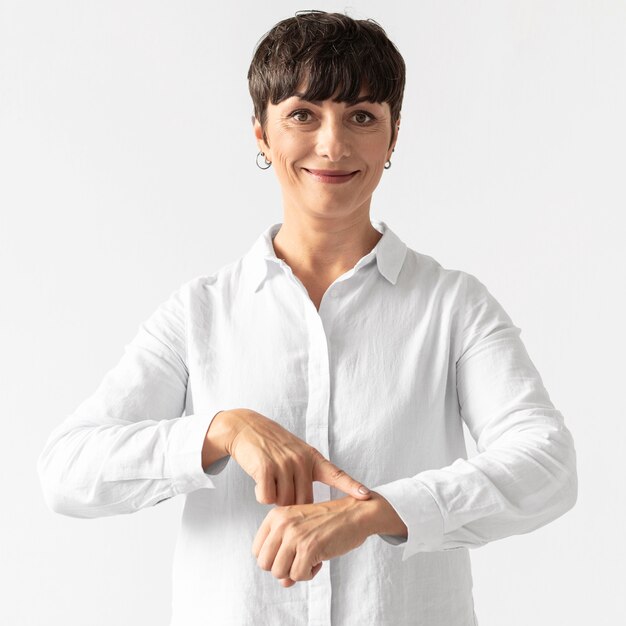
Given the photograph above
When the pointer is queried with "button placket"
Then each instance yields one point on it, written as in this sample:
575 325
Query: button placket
319 324
317 436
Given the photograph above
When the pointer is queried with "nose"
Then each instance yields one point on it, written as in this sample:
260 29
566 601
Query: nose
333 140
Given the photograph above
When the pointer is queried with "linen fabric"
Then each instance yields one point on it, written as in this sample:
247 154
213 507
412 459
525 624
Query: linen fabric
380 380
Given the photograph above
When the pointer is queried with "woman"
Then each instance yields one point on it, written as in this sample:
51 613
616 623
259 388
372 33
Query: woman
329 358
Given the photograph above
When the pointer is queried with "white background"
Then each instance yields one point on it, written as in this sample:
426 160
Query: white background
127 167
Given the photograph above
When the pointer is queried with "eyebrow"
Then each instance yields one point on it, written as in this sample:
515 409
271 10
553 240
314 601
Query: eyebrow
365 98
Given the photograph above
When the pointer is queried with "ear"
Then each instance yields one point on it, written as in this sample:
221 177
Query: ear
395 139
259 136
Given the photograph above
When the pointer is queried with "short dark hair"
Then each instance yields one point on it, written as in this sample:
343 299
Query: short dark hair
333 54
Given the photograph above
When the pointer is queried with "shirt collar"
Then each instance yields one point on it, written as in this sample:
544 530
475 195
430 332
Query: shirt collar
390 252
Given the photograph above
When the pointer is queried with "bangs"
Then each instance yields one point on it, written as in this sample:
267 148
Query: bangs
336 78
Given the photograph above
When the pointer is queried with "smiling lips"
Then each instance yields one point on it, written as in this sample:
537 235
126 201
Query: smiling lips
331 176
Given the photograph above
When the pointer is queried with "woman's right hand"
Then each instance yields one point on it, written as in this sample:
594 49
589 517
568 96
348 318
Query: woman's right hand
281 464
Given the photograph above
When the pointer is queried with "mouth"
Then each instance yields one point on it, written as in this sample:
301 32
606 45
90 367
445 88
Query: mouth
331 176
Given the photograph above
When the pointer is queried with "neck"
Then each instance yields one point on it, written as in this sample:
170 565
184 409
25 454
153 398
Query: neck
324 247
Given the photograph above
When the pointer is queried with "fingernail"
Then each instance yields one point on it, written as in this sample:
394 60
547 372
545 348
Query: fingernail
364 490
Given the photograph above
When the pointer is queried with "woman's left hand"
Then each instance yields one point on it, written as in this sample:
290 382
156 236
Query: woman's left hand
292 541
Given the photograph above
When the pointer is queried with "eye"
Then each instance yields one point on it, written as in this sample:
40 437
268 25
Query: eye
301 115
362 118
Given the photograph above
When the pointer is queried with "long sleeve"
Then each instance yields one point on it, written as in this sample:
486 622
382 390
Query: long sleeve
128 446
524 474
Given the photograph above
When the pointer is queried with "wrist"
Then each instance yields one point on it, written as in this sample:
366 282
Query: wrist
228 423
380 518
219 436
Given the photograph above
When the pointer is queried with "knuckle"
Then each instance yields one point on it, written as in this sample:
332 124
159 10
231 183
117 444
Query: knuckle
283 525
337 473
262 496
290 534
263 564
284 501
265 469
273 514
316 454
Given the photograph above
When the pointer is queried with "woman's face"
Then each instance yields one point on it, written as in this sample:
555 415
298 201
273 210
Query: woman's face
328 156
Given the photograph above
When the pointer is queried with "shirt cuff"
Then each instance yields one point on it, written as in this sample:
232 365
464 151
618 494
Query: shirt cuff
185 454
419 511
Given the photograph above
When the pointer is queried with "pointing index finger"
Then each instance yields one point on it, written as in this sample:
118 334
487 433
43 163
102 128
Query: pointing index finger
328 473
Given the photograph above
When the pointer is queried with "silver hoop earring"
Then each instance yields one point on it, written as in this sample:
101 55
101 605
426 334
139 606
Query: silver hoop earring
387 165
268 164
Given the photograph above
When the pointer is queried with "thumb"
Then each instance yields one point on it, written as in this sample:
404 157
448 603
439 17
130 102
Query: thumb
328 473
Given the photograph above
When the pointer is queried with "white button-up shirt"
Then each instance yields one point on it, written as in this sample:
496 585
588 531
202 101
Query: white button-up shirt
379 380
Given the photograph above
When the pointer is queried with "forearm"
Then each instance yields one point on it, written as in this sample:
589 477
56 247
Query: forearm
88 469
